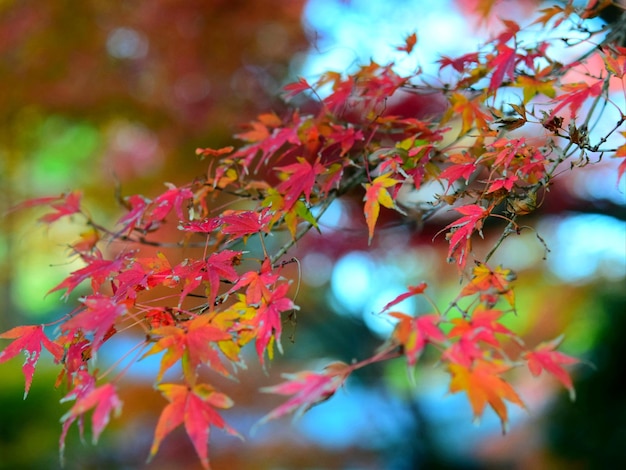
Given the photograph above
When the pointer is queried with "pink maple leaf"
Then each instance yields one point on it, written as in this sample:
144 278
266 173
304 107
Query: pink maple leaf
29 339
308 389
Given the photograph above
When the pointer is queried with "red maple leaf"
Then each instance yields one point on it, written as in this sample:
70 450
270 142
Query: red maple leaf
29 339
191 274
575 96
503 66
464 166
299 179
466 350
220 265
97 318
544 357
267 320
202 226
257 282
459 63
173 198
195 408
308 389
242 223
295 88
97 269
101 399
64 205
463 229
142 274
136 205
413 290
483 325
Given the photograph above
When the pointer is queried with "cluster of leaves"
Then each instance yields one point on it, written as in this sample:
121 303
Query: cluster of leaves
199 312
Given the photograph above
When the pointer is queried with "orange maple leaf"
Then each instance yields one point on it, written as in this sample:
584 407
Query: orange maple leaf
194 344
195 408
489 281
414 332
470 111
483 385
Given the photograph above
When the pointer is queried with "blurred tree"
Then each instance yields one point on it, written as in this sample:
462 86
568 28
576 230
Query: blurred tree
357 145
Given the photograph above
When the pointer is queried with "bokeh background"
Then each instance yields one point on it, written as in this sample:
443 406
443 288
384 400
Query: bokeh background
114 97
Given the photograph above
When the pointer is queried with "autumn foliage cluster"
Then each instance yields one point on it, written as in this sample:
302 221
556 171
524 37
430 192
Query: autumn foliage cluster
515 118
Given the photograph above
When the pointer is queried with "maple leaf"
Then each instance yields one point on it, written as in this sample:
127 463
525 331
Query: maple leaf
376 194
191 343
615 60
195 408
466 350
86 244
202 226
173 198
463 229
29 339
534 85
267 320
482 326
308 389
483 385
459 63
544 357
193 273
242 223
414 332
413 290
298 178
97 269
503 66
470 111
561 13
346 137
209 152
65 205
257 133
136 206
464 166
103 400
257 283
575 96
97 318
505 183
486 280
221 265
295 88
142 274
409 43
